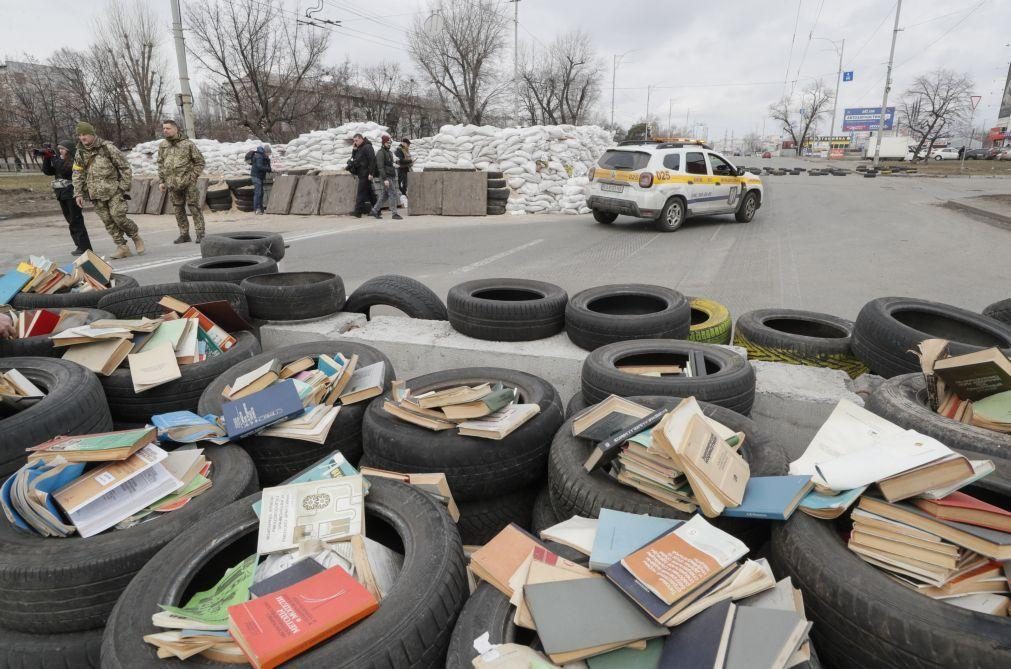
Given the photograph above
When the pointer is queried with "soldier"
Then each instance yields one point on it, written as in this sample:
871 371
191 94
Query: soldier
179 164
102 175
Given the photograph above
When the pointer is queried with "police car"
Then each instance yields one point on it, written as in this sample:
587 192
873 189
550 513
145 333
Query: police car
668 181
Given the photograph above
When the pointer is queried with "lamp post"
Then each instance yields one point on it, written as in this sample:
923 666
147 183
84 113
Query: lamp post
839 47
615 61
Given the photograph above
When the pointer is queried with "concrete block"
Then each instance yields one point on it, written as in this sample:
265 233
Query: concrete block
155 203
277 334
424 193
465 194
138 196
305 201
339 192
281 194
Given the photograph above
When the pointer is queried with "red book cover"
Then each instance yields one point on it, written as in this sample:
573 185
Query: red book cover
273 629
964 508
43 323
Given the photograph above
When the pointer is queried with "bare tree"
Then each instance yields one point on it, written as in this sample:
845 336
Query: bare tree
934 105
752 142
799 117
382 84
456 45
269 65
562 85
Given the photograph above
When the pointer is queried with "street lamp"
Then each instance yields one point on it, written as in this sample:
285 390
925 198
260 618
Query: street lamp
614 69
839 47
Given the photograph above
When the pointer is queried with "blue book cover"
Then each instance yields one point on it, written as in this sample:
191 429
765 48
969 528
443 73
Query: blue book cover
620 533
696 642
11 284
771 497
165 422
252 413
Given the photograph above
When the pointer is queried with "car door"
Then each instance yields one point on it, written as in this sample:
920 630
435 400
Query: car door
699 187
726 185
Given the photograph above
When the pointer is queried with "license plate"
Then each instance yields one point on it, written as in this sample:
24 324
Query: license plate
612 188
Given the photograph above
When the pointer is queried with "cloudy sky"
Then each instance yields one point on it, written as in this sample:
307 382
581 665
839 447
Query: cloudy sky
718 63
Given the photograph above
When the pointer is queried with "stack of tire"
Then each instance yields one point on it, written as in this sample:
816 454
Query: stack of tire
227 269
797 337
241 189
219 197
498 193
494 483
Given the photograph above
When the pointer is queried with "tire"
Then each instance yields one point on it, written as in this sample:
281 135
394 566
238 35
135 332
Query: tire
401 292
495 175
507 309
475 468
226 206
672 217
495 211
74 404
276 458
799 338
730 382
1000 311
749 205
72 650
237 183
498 194
710 322
862 618
885 343
293 296
487 610
574 492
496 183
89 299
228 269
70 585
412 627
245 192
143 300
604 217
481 519
621 312
183 394
42 345
249 243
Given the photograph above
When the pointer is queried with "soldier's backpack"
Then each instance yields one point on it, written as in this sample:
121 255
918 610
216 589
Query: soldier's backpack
249 157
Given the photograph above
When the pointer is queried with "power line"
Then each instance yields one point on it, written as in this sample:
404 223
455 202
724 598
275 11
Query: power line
803 56
789 58
365 17
853 58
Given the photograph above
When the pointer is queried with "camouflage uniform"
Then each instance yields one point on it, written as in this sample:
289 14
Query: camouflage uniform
102 175
179 164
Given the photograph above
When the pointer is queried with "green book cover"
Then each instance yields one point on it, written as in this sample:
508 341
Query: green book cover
101 442
996 408
629 658
168 332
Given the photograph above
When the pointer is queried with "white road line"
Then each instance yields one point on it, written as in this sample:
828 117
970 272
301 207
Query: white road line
494 258
154 263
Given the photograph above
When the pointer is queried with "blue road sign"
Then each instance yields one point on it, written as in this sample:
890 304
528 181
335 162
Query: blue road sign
847 76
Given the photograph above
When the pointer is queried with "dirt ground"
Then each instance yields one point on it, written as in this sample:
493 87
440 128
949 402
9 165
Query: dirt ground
22 194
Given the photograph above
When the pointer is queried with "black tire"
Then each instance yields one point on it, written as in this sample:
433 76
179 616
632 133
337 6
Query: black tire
730 381
278 459
74 404
70 585
225 206
495 211
475 468
411 628
496 183
90 298
749 205
604 217
507 309
487 610
401 292
889 329
72 650
247 243
228 269
672 216
711 322
293 296
482 519
574 492
1000 311
498 194
245 191
495 175
42 345
621 312
862 618
798 338
143 300
237 183
183 394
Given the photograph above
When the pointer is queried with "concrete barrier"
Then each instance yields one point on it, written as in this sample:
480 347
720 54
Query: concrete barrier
339 192
281 194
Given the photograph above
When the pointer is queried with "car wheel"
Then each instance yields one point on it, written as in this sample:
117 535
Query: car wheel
672 216
937 157
748 207
605 217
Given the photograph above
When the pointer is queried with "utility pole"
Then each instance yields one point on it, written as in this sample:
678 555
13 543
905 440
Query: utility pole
669 128
888 85
835 100
973 100
615 61
649 89
516 60
185 94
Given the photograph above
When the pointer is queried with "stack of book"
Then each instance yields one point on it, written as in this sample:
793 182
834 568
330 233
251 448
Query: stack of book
38 274
42 322
694 365
486 410
974 388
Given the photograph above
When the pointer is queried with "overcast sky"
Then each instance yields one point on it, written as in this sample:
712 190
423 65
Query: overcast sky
722 63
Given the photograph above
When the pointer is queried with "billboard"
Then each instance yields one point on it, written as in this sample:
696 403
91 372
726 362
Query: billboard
1005 102
860 119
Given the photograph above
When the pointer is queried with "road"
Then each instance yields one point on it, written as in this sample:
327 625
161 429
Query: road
820 243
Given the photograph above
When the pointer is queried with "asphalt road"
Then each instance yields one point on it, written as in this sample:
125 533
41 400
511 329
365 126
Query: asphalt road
820 243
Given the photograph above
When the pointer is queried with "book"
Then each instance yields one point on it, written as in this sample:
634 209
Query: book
975 375
27 501
942 472
275 628
750 578
86 334
169 332
404 412
223 314
611 415
629 658
153 368
253 381
434 484
771 497
963 508
764 638
541 566
980 468
892 454
188 348
991 604
213 332
489 404
620 533
186 427
313 427
253 413
22 384
296 366
296 573
455 395
328 510
11 284
94 266
43 322
365 383
501 423
993 412
498 560
99 447
577 533
611 446
101 357
829 506
338 385
701 641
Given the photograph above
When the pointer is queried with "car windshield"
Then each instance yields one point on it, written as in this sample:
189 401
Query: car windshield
624 160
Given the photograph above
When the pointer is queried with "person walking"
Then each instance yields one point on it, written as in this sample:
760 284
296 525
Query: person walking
102 175
259 170
362 165
60 165
385 180
179 166
404 163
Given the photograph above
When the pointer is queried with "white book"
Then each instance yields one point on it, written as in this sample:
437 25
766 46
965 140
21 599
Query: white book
984 602
249 377
124 500
576 532
329 510
315 431
188 347
153 368
22 384
980 468
92 333
891 454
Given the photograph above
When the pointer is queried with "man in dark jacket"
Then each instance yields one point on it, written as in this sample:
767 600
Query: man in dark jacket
404 162
385 180
362 165
61 167
259 170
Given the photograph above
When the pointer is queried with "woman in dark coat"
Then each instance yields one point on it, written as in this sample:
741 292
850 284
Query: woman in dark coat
59 165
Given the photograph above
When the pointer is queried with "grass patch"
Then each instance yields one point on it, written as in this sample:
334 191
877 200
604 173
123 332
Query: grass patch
38 183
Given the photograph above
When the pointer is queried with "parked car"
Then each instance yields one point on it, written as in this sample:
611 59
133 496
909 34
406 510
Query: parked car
947 153
767 155
1004 153
977 154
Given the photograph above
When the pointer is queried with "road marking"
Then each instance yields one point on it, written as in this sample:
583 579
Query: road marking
496 257
154 263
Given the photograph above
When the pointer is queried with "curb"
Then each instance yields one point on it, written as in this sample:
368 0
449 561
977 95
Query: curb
1003 220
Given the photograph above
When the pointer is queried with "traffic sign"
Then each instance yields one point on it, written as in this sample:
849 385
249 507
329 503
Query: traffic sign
975 100
847 76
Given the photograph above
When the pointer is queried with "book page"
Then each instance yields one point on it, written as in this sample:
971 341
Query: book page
892 454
